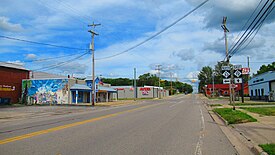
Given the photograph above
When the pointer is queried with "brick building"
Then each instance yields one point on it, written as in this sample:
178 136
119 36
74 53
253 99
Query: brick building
11 76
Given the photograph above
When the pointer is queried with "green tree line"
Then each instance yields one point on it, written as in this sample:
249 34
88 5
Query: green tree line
151 80
206 74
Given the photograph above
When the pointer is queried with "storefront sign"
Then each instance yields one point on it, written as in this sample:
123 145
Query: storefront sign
7 88
145 89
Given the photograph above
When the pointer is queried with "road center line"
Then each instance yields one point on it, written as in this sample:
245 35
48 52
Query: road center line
37 133
173 105
200 141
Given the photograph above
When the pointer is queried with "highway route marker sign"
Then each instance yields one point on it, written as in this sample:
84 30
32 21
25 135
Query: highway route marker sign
226 81
226 74
238 80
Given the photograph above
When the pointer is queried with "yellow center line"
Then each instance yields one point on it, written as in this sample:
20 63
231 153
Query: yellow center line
37 133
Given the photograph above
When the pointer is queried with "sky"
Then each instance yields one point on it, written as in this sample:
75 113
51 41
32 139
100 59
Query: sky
182 50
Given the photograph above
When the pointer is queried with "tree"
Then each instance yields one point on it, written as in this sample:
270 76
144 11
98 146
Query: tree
147 79
218 72
264 68
118 81
205 77
177 85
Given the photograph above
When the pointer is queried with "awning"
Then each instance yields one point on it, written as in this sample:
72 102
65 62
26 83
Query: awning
80 87
106 89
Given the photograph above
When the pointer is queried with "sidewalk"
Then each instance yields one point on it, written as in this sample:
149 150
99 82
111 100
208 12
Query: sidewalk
11 113
255 133
260 132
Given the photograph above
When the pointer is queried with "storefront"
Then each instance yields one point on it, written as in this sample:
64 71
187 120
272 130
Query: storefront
262 87
11 76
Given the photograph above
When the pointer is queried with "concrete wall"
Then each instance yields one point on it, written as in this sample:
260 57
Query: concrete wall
127 92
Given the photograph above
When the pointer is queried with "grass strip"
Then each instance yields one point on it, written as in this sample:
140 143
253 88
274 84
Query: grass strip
234 116
253 103
215 105
268 111
268 148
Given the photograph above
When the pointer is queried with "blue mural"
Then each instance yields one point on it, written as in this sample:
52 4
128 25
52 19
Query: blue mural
47 91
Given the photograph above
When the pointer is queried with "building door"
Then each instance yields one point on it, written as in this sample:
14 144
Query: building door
272 86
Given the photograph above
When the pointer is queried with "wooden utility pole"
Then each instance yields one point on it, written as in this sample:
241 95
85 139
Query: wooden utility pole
228 60
135 84
92 48
158 69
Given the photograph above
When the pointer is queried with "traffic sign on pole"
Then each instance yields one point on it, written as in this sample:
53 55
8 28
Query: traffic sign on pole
226 81
238 80
226 74
237 67
245 71
226 68
238 73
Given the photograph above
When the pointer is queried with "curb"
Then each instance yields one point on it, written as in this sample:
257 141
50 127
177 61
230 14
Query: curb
221 118
255 149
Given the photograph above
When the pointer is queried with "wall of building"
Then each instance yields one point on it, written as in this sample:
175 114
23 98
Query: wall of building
127 92
46 91
11 83
261 86
145 92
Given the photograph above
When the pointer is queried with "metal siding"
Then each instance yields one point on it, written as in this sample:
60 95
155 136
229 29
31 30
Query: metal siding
12 77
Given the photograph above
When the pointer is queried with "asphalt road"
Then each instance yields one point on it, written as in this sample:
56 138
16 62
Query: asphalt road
177 125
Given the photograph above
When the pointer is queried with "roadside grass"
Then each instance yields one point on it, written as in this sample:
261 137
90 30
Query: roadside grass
215 105
12 105
122 99
234 116
218 98
253 103
268 111
268 148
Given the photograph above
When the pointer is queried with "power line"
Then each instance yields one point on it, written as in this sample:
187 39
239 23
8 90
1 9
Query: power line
248 28
255 27
58 10
246 23
252 30
258 27
251 62
60 63
39 43
156 34
51 58
68 6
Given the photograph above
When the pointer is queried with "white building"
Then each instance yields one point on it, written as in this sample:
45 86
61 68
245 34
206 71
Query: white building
262 87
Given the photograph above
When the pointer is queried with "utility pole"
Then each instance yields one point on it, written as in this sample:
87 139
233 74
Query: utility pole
135 84
248 65
171 82
213 84
228 59
92 48
158 69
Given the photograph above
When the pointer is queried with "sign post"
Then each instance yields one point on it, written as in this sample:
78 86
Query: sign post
238 77
227 75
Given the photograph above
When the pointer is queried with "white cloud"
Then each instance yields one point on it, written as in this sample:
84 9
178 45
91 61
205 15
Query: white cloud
194 42
30 56
6 25
185 54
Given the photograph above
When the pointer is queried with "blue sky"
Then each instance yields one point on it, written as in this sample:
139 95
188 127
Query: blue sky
182 50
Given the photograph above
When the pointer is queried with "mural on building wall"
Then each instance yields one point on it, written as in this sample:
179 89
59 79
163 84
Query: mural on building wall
46 91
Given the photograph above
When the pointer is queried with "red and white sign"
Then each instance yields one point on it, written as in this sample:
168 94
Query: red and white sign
245 71
144 89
